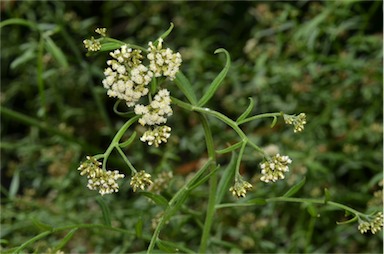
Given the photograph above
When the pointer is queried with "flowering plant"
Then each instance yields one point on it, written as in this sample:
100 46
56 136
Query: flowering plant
136 76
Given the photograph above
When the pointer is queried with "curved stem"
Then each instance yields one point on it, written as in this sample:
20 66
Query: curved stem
260 116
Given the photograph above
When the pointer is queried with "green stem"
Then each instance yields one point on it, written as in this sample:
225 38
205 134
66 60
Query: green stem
241 152
116 139
212 186
260 116
133 170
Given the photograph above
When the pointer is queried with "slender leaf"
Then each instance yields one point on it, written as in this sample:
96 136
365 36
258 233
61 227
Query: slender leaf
292 191
15 184
274 122
218 80
129 141
166 33
247 111
185 86
105 210
65 240
56 52
312 210
41 225
109 46
139 227
226 178
158 199
347 221
327 195
230 148
172 247
17 21
23 58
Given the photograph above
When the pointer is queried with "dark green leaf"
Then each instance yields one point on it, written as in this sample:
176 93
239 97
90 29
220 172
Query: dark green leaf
247 111
295 188
274 122
105 210
226 178
41 226
327 196
185 86
218 80
158 199
139 227
129 141
312 210
230 148
56 52
16 21
15 184
65 240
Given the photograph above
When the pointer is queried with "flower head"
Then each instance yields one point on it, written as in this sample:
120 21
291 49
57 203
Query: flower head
373 223
161 182
274 169
140 180
126 78
99 179
101 31
157 111
158 135
92 44
298 122
163 61
240 188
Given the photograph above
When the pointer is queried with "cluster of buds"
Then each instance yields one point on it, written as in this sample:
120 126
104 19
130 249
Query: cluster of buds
99 179
157 111
240 188
158 135
274 169
163 61
298 121
92 44
140 180
373 224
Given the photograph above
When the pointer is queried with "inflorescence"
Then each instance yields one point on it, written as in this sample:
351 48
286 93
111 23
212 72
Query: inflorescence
99 179
140 180
298 121
374 224
274 168
240 188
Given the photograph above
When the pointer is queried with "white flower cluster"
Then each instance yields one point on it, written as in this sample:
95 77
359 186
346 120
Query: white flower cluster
98 179
127 78
158 135
298 121
163 61
92 44
374 224
157 111
240 188
274 169
140 180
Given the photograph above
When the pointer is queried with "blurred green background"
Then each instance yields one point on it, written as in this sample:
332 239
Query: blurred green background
321 58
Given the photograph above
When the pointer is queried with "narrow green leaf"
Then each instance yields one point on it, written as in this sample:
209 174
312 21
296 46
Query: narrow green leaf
203 179
166 33
312 210
295 188
226 178
158 199
65 240
56 52
218 80
247 111
105 210
274 122
230 148
129 141
125 114
172 247
153 85
327 195
17 21
139 227
109 46
23 58
347 221
185 86
199 173
15 184
41 225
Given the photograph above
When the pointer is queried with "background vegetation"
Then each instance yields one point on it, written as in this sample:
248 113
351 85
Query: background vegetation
321 58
